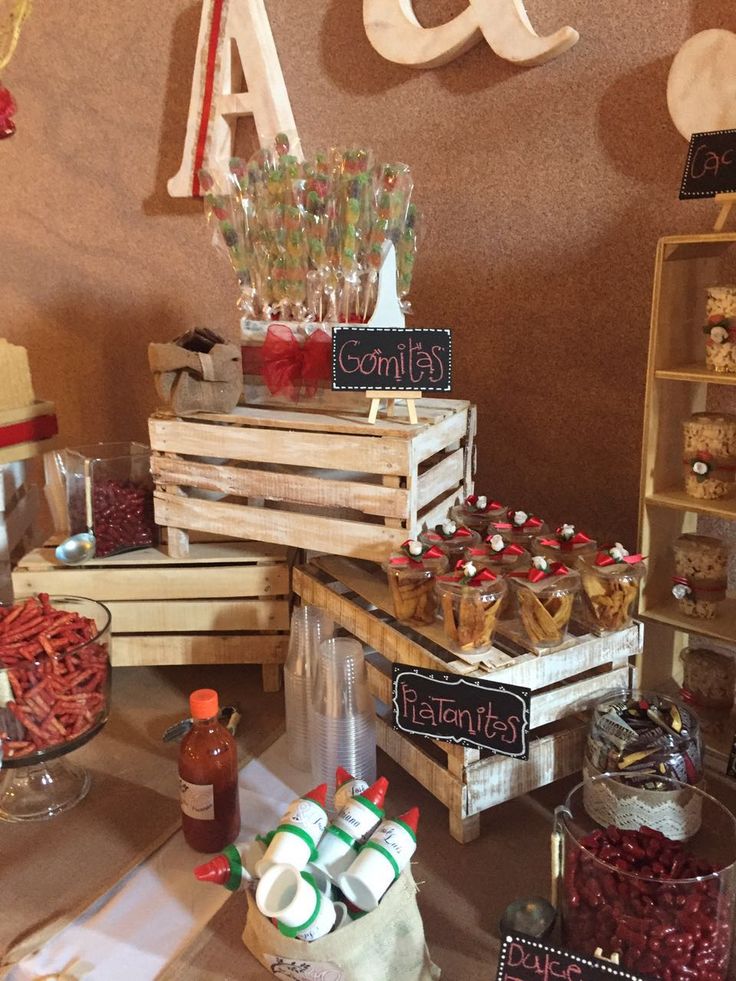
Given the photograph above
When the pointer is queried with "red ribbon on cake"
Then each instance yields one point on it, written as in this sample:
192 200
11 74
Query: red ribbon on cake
288 366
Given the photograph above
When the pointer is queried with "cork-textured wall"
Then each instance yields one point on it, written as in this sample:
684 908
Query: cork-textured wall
544 191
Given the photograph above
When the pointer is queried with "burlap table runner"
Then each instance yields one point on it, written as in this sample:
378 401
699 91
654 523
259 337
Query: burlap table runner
52 870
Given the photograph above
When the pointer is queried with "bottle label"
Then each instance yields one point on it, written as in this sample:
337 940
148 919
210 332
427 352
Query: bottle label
351 788
285 967
197 800
396 841
356 820
308 816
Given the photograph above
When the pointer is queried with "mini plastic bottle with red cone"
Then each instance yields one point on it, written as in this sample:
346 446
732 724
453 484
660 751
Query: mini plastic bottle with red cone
381 860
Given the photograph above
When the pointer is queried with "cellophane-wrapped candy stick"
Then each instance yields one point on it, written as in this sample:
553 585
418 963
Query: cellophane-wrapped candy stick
405 255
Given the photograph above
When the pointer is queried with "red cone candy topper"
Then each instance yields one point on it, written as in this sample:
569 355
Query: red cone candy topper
376 793
217 870
318 795
410 819
342 776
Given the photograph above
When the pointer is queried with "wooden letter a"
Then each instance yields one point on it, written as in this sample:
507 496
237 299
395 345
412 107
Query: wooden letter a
233 35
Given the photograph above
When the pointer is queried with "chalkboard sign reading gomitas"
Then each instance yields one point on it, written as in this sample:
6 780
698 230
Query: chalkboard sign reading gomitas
467 711
391 359
710 167
524 959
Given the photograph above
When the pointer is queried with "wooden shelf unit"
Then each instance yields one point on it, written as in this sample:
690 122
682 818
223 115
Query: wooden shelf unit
564 683
685 266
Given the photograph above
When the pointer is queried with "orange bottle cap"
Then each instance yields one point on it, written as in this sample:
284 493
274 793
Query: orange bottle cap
203 703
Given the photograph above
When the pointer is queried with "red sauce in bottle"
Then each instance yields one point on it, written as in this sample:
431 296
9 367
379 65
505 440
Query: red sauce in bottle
208 772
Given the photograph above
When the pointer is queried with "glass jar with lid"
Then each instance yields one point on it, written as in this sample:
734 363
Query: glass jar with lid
709 455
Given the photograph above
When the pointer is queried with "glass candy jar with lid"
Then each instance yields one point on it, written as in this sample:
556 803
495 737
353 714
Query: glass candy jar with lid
700 579
566 545
709 455
610 588
709 678
411 572
470 604
476 512
545 595
451 538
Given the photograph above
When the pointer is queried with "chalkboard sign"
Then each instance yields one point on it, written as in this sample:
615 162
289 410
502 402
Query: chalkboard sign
524 959
391 359
710 168
467 711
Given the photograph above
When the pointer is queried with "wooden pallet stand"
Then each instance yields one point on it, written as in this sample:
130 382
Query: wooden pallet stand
226 603
468 781
325 482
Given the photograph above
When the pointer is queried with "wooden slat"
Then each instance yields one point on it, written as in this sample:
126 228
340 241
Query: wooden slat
12 478
676 498
322 534
292 487
550 706
429 411
369 454
178 616
495 779
18 522
440 511
695 372
152 583
429 772
439 478
435 438
137 650
209 553
24 412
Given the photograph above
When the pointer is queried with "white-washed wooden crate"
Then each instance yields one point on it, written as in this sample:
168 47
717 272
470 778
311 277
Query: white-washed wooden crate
19 504
325 482
226 603
564 683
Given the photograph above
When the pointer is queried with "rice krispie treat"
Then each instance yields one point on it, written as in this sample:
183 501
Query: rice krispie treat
720 348
709 454
699 582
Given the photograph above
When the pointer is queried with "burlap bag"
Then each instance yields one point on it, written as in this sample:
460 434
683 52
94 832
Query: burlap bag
386 945
188 381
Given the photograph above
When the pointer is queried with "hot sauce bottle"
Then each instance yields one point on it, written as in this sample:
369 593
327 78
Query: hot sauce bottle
208 778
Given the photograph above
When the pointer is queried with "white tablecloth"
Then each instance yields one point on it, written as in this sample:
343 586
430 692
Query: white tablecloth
140 924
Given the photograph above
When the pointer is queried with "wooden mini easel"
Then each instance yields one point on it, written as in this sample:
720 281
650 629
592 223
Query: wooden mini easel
726 201
376 397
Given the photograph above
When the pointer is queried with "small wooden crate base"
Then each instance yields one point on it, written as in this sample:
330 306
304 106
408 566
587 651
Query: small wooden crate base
323 482
469 781
227 603
19 504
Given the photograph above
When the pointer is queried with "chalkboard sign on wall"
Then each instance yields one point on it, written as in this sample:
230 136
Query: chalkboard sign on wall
467 711
710 167
525 959
391 359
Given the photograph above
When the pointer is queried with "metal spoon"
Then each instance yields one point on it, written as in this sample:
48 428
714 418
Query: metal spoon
82 547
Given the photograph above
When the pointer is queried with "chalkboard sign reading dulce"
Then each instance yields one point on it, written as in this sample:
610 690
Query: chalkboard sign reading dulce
391 359
467 711
524 959
710 168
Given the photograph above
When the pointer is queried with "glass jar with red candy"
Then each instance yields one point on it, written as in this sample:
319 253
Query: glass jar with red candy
111 484
662 897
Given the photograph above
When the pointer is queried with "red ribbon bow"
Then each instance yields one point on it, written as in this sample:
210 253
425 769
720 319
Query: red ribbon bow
530 524
460 532
603 558
566 544
289 366
535 575
472 500
485 575
512 549
415 560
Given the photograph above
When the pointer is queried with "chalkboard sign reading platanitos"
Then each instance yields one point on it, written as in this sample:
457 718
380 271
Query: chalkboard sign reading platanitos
710 167
467 711
391 359
525 959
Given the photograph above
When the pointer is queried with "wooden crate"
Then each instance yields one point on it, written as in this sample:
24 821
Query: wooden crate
329 483
19 504
469 781
226 603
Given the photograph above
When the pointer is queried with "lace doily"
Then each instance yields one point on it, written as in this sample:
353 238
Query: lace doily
677 814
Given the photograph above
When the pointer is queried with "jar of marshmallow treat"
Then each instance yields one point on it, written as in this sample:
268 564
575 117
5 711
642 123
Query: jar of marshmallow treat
720 329
451 538
476 512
